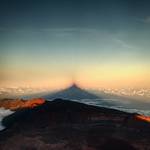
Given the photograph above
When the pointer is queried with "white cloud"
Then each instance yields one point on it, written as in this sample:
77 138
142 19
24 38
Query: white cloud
123 43
70 31
145 20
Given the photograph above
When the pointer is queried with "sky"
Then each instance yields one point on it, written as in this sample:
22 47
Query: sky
95 43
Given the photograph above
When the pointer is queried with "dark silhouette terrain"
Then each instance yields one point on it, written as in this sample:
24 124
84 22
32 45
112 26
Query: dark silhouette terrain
68 125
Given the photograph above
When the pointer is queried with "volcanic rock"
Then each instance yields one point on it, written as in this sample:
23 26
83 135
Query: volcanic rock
14 104
68 125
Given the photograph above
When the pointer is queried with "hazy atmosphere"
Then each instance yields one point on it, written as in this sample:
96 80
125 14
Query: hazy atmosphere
97 44
74 74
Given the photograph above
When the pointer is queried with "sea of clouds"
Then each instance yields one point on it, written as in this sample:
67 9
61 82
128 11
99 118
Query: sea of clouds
4 113
116 104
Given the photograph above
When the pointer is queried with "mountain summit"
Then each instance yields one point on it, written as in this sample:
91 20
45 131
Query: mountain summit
72 92
74 86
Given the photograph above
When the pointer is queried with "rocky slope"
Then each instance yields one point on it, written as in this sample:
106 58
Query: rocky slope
68 125
15 104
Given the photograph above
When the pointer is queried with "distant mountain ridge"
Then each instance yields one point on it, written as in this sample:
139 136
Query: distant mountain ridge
72 92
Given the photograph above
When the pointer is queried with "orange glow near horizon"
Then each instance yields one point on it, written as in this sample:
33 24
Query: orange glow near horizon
90 76
115 77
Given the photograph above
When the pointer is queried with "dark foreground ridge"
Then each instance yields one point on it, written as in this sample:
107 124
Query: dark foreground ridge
68 125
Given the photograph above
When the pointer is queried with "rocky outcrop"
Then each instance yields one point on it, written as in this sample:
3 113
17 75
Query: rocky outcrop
14 104
144 118
68 125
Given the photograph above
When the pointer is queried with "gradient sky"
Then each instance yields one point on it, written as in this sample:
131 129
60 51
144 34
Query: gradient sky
97 43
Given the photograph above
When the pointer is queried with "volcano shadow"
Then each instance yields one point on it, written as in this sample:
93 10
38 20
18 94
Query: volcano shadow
73 92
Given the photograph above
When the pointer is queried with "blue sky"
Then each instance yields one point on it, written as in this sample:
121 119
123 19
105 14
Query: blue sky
46 41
